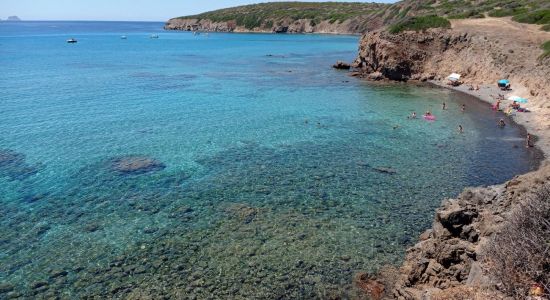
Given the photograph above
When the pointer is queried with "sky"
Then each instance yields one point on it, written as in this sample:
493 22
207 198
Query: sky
116 10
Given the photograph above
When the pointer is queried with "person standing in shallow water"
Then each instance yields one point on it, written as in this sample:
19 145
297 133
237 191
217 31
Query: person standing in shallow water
460 129
444 106
463 109
529 141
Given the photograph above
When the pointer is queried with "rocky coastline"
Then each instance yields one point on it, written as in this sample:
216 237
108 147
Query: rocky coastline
451 259
287 25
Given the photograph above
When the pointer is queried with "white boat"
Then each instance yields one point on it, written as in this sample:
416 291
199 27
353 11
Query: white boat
154 36
71 41
123 37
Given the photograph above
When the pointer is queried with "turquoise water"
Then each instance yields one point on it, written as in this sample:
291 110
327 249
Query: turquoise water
270 174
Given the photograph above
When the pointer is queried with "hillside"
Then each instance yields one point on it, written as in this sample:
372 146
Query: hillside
307 17
342 18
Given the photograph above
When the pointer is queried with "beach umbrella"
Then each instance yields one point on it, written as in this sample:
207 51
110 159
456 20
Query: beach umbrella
504 81
454 77
517 99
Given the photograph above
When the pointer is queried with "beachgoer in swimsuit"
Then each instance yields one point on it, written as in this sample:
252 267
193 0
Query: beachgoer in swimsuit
460 129
444 106
501 123
528 141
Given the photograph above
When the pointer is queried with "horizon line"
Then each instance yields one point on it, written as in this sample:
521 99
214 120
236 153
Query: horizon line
53 20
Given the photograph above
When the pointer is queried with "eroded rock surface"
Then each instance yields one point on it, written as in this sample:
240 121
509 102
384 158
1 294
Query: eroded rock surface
449 256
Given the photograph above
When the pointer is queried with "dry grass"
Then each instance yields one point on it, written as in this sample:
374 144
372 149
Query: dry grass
519 255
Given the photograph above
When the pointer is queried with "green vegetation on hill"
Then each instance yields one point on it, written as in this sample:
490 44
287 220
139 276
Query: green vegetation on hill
420 23
266 14
546 48
524 11
403 15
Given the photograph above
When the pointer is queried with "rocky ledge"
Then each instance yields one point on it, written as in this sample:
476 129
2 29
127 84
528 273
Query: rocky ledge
452 260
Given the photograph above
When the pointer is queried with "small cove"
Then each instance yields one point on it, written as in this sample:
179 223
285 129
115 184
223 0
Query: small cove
272 182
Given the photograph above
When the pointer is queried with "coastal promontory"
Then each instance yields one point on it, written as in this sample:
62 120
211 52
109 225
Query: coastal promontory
13 18
287 17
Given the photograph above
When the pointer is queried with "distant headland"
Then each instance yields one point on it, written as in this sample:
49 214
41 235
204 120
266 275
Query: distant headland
13 19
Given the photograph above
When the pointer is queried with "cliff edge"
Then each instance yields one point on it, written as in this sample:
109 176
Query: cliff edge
489 242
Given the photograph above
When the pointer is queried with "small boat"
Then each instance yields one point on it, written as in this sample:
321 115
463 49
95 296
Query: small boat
71 41
154 36
123 37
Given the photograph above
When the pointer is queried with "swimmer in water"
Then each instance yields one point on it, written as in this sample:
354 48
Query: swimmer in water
501 123
428 113
463 109
444 106
412 116
460 129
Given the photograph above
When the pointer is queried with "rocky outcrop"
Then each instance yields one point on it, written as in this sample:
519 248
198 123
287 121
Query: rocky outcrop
404 56
450 256
341 65
287 25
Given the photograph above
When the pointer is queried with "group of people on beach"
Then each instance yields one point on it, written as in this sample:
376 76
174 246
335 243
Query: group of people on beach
501 123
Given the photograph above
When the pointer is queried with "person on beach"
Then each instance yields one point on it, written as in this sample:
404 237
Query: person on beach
501 123
460 129
497 105
463 109
444 106
528 141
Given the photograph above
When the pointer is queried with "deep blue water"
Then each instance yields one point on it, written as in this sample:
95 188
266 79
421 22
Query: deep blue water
270 175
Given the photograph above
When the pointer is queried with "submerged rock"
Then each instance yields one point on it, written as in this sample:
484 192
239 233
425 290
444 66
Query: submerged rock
136 165
14 166
341 65
6 287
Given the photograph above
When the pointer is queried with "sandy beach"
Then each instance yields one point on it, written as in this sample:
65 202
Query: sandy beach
488 92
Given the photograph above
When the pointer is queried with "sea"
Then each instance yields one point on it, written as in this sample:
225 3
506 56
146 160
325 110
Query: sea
220 165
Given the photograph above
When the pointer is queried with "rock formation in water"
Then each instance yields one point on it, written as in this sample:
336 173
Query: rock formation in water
136 165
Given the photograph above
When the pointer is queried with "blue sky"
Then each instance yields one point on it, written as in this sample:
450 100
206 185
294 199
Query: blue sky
131 10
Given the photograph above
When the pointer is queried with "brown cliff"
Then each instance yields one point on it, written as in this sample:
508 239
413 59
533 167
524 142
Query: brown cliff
456 259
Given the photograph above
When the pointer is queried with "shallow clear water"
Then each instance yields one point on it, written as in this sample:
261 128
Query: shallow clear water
272 175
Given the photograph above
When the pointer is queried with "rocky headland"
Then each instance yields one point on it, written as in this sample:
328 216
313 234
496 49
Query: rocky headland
289 17
456 258
286 25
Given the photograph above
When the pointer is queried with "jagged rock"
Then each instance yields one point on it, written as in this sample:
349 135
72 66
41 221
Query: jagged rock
341 65
375 76
402 56
369 285
455 219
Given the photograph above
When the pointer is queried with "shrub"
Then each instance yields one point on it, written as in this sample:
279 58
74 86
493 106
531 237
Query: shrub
536 17
546 48
519 255
420 23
